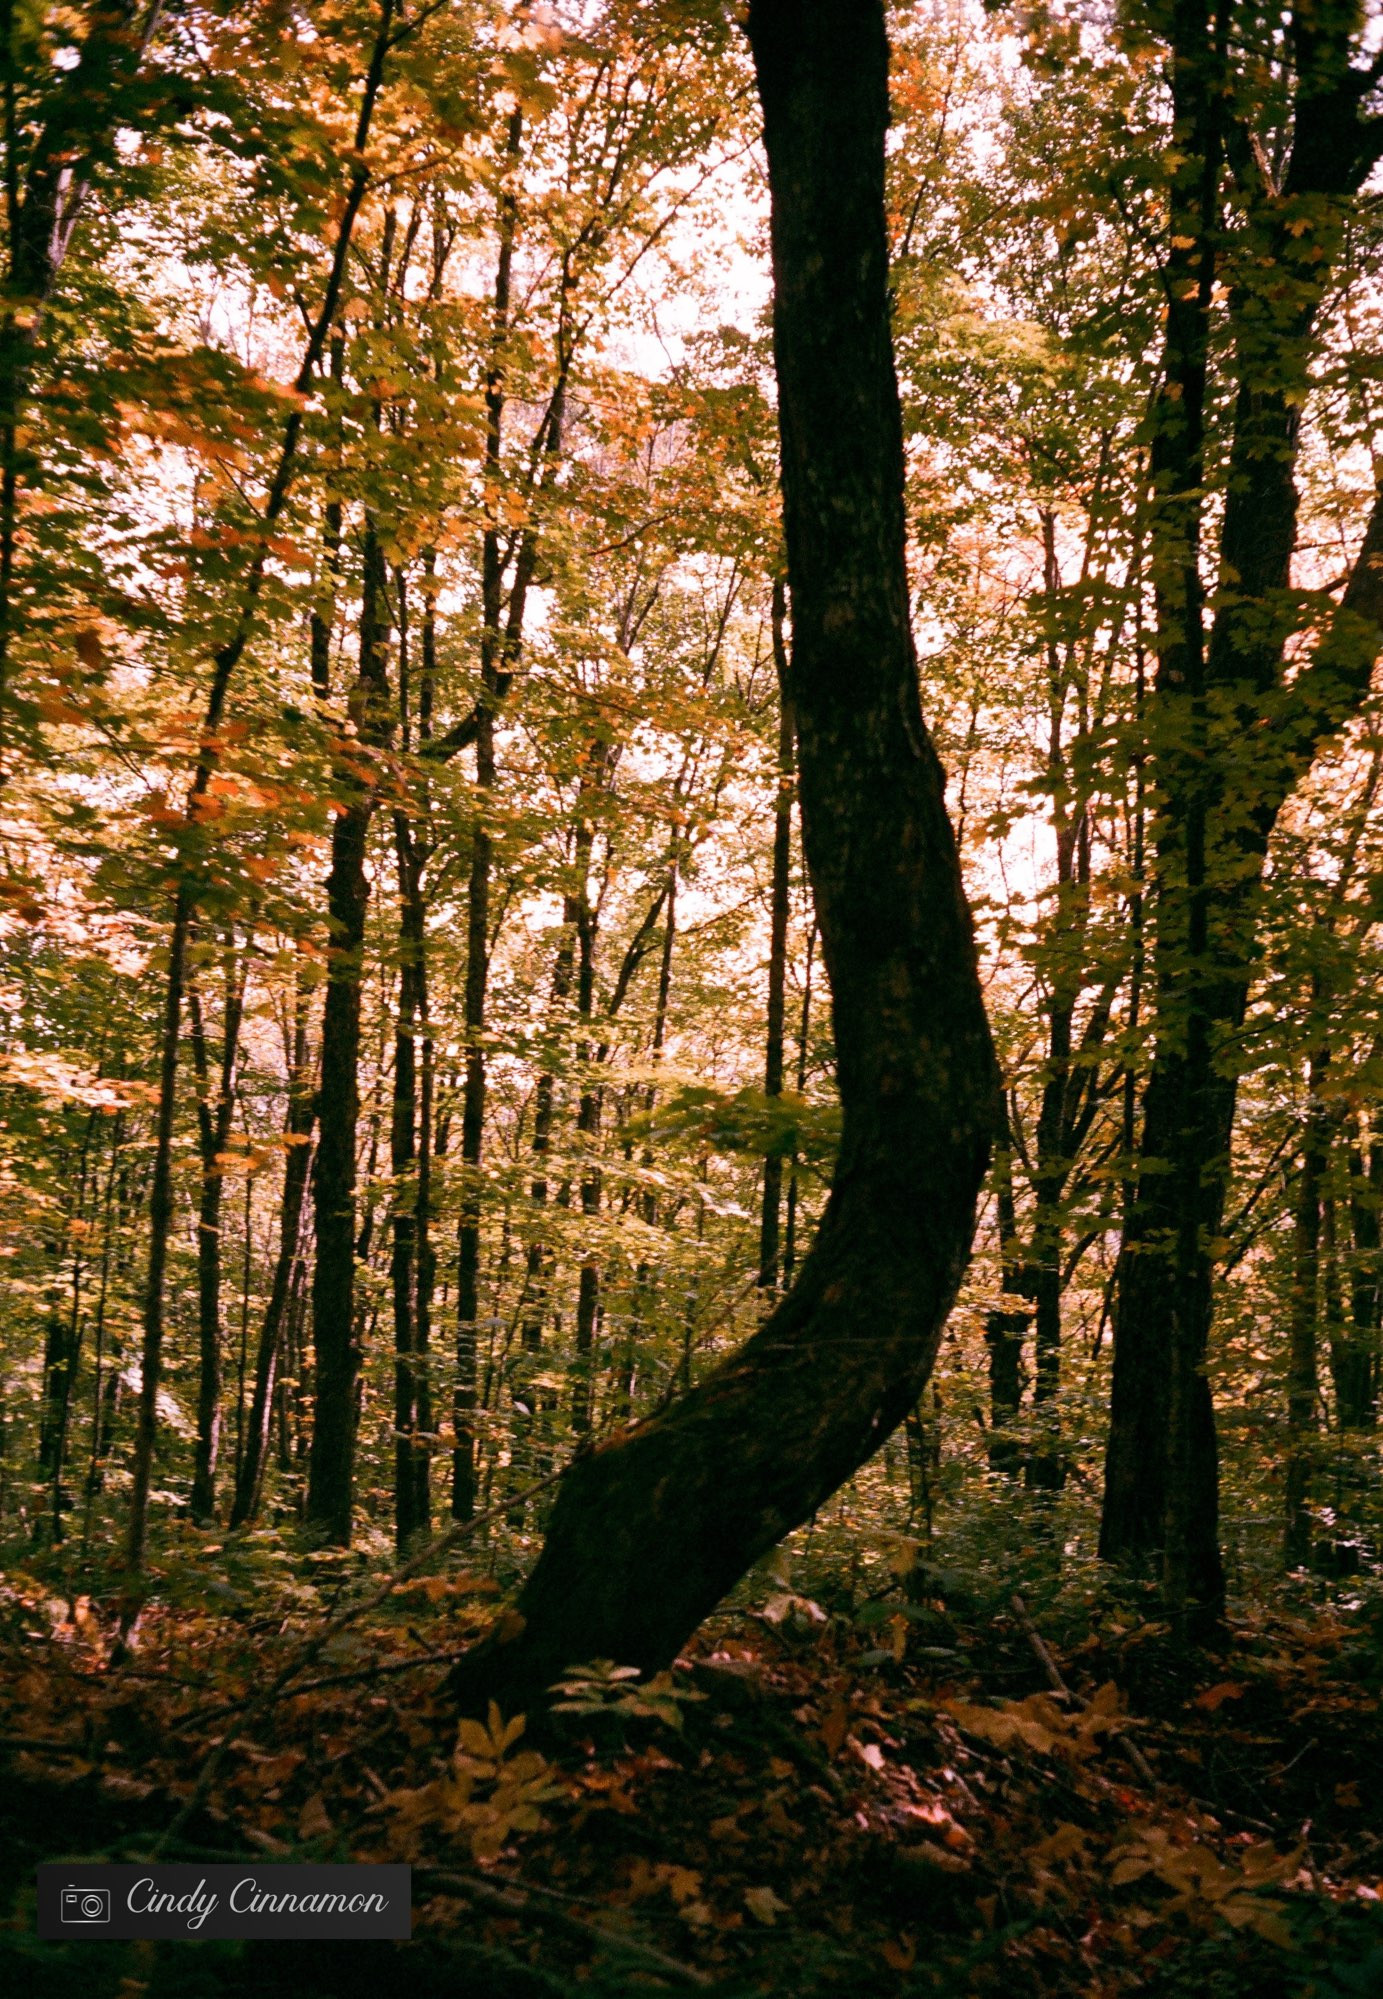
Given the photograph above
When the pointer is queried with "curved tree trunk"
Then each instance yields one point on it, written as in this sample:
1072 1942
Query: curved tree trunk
649 1531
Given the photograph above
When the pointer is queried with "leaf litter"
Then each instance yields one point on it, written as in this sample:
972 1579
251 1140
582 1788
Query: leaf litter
785 1811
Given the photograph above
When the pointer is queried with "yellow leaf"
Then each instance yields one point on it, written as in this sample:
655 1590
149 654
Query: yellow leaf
474 1739
763 1905
1063 1843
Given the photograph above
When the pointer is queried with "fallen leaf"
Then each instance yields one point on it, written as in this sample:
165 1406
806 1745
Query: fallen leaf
314 1821
763 1904
1216 1696
835 1727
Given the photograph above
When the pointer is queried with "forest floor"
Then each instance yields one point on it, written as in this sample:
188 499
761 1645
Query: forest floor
804 1807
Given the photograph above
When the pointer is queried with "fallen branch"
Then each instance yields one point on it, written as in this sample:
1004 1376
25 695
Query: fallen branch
542 1908
1058 1686
36 1745
199 1716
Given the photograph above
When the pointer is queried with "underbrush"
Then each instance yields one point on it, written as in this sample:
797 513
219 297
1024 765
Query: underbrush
990 1773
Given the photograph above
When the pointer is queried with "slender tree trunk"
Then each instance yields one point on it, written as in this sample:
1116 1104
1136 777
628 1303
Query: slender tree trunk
501 641
336 1355
588 1140
160 1225
225 662
803 1042
62 1382
463 1474
649 1531
62 1335
214 1121
300 1117
464 1470
323 620
1354 1357
1006 1326
777 947
412 1012
426 1254
1303 1369
100 1371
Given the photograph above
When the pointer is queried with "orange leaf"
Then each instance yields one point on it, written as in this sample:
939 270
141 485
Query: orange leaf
1213 1697
313 1819
835 1727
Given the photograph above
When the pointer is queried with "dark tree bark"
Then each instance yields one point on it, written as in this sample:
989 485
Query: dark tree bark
301 1116
62 1330
1006 1326
649 1531
777 946
100 1373
410 1132
323 619
587 1126
1216 808
335 1353
215 1115
804 1027
1354 1355
528 1454
1303 1367
411 1481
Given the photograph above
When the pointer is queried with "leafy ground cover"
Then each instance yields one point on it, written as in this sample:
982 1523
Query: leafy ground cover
921 1796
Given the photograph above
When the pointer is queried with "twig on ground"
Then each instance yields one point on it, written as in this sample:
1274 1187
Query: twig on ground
199 1716
1058 1686
514 1901
37 1745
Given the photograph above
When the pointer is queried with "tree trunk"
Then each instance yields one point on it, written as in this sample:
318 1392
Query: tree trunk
225 661
1216 809
650 1530
335 1353
1354 1356
99 1370
214 1120
1006 1326
62 1340
527 1452
777 947
160 1227
495 665
588 1138
1303 1372
301 1116
323 619
409 1489
804 1026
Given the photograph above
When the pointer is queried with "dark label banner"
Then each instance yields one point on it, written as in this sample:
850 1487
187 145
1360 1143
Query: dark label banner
245 1899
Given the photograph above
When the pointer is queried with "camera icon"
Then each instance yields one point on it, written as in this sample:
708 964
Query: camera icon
84 1905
